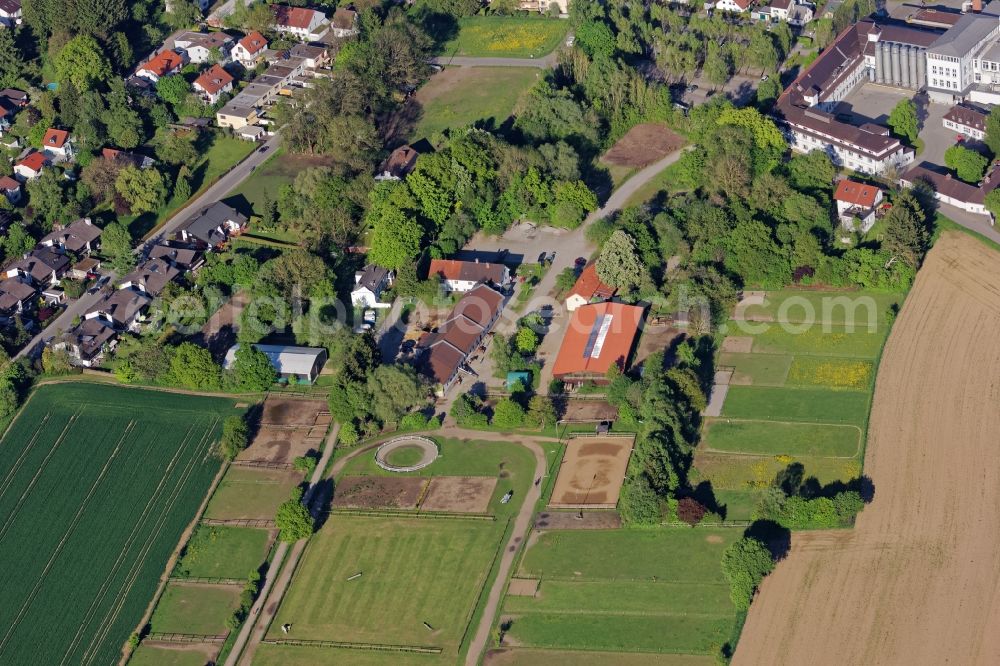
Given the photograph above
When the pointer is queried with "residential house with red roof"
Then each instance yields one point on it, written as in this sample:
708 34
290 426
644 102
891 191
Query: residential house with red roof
588 289
127 157
164 63
463 276
856 204
302 23
249 50
57 146
735 6
213 83
599 336
31 166
399 164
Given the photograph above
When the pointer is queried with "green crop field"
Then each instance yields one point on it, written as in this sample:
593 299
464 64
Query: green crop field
246 492
97 483
195 608
624 590
223 552
506 37
271 654
536 657
413 571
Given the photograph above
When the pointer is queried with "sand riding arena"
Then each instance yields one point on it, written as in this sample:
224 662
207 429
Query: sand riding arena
592 472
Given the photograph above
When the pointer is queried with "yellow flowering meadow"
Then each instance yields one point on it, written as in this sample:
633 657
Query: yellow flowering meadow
842 374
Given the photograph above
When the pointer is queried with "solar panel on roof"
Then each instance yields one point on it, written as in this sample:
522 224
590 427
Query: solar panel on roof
598 334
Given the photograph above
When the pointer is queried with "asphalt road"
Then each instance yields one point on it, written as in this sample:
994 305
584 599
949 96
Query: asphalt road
217 190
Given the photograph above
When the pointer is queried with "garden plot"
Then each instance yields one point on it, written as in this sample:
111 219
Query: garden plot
642 145
459 494
800 392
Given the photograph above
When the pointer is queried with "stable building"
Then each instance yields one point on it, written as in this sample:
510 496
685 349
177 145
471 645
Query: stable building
292 364
599 336
588 289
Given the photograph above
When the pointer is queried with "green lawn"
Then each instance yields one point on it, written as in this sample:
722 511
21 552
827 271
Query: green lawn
625 590
270 654
834 341
405 456
460 96
532 274
770 437
414 571
665 181
796 404
266 181
195 609
246 492
759 369
97 484
506 37
223 552
747 473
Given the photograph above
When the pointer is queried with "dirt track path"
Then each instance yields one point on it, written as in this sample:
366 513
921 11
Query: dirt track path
917 581
263 610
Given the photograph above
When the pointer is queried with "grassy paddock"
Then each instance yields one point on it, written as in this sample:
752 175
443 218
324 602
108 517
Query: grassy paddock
625 590
246 492
809 405
223 552
181 655
536 657
777 438
98 484
460 96
745 473
836 307
506 37
414 571
195 609
758 369
291 655
835 340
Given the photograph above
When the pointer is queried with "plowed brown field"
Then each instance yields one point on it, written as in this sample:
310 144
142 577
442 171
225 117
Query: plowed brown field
918 579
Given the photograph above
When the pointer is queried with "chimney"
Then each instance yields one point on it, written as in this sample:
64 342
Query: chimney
977 6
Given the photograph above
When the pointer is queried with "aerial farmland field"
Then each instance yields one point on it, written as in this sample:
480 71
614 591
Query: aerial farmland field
916 580
97 485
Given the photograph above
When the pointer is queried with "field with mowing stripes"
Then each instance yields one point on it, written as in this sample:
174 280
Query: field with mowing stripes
621 590
97 484
413 571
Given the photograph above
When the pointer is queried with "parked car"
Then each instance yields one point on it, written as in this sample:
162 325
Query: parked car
369 317
581 261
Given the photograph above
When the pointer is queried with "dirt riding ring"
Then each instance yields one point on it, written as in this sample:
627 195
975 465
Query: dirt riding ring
406 454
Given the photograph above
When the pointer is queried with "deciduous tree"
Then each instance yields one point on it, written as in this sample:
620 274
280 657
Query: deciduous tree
619 265
903 120
744 564
143 189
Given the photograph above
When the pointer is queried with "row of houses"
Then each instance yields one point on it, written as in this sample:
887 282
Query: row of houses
290 70
37 274
123 309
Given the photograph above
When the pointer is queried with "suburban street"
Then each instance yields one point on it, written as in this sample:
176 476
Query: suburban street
64 321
